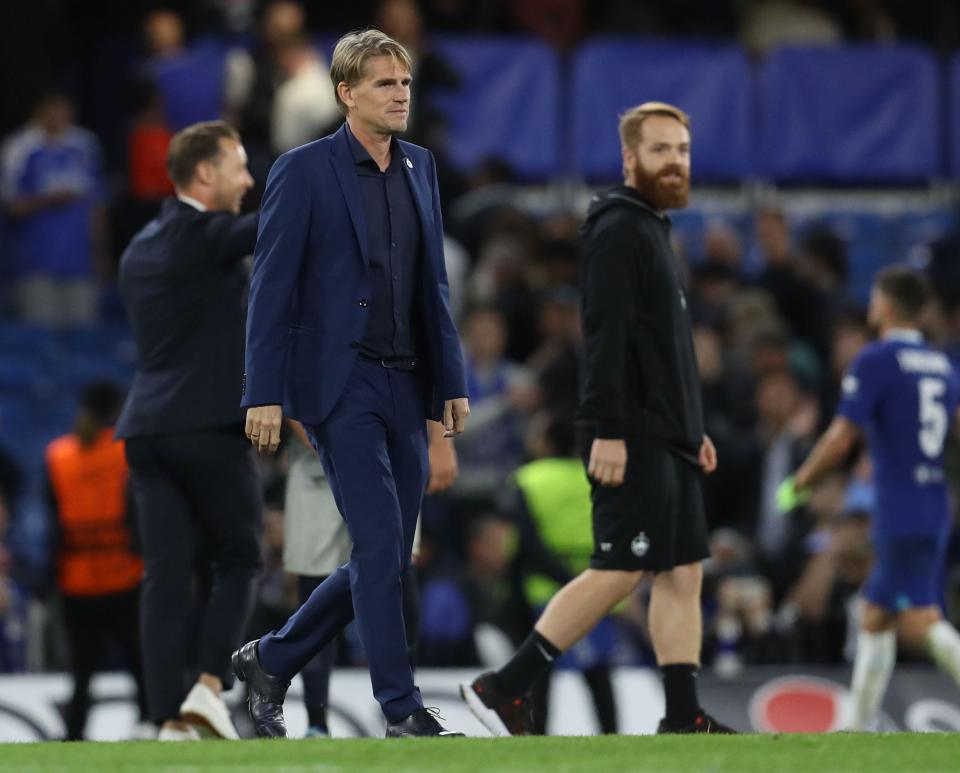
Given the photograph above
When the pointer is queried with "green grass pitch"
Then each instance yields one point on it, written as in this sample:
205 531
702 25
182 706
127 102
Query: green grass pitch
623 754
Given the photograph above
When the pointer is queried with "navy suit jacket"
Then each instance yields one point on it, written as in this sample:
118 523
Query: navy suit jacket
185 290
310 290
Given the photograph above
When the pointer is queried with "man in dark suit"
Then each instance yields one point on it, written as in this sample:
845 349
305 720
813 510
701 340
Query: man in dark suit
193 475
349 332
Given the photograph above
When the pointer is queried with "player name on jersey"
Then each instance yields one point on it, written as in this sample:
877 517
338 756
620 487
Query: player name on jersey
923 361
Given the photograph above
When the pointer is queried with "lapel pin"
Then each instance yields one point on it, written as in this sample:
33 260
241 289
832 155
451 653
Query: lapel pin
409 163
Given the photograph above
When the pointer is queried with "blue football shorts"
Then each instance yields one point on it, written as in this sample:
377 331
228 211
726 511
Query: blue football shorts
907 572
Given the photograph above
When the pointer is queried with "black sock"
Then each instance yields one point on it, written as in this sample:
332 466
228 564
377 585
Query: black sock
680 692
317 717
531 661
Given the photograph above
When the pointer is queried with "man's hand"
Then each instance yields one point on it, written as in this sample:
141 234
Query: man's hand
455 414
443 463
608 461
263 427
708 455
790 496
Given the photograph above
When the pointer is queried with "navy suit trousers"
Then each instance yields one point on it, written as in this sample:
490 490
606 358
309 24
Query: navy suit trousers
373 447
200 512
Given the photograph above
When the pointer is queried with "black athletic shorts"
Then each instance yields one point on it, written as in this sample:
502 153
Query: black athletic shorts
654 520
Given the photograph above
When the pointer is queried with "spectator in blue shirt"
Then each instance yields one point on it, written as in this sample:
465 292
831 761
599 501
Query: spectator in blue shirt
190 78
52 187
502 392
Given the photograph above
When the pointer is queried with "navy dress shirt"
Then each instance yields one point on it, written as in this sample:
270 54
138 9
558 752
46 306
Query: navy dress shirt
394 243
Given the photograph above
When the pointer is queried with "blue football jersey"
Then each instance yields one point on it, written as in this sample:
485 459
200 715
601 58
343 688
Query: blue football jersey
57 240
903 394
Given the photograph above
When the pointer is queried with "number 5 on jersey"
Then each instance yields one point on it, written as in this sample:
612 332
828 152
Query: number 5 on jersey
933 416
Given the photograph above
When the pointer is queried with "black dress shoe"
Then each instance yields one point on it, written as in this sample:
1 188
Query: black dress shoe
265 693
423 722
702 723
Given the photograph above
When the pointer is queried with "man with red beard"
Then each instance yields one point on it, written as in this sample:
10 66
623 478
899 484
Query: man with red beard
641 437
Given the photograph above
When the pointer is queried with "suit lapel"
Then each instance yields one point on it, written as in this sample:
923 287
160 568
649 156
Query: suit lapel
420 200
346 173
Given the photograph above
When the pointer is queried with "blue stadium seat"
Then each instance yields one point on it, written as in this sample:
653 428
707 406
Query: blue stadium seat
16 419
31 341
507 106
710 82
79 370
854 114
19 375
56 420
111 341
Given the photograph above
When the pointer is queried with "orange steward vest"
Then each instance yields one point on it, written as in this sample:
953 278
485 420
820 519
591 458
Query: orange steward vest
89 485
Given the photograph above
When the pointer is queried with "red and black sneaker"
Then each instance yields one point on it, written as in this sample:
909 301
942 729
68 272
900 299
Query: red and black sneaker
500 714
702 723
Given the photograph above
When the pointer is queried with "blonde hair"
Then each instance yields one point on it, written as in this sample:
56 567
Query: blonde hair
631 122
354 50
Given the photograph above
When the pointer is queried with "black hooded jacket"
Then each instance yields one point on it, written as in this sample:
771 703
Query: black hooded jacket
640 372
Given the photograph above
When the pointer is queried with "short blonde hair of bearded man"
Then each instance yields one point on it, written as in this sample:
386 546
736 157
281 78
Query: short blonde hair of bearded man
631 122
354 50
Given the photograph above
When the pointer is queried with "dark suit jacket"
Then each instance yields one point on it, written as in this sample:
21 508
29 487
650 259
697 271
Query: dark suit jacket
310 290
184 288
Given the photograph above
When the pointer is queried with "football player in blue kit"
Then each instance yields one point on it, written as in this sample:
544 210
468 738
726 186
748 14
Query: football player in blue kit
902 395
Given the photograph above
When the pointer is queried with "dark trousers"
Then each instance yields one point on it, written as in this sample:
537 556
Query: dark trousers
373 448
199 502
93 623
316 674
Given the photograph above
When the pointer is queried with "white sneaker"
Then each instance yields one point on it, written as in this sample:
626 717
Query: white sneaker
173 734
208 714
144 731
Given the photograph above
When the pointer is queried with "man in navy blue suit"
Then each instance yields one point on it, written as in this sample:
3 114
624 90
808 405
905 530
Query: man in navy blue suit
349 331
193 474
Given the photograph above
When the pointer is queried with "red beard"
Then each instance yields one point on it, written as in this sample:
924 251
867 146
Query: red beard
659 194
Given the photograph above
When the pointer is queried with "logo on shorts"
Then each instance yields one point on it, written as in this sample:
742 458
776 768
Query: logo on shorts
606 547
640 545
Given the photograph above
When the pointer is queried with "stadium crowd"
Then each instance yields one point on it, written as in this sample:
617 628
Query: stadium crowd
775 328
